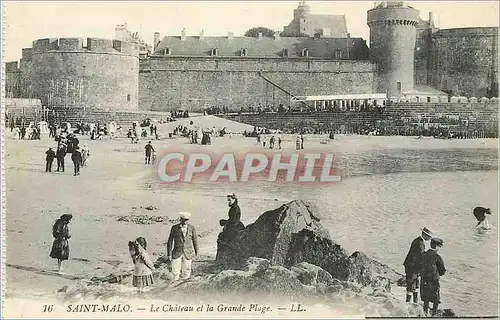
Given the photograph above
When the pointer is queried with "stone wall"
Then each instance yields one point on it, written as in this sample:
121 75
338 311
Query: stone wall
100 73
13 80
464 61
195 83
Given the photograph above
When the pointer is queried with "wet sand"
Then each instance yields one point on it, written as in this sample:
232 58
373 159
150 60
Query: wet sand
117 183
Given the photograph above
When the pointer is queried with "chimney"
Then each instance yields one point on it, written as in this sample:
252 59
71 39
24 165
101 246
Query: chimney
183 34
230 36
156 40
431 20
276 36
260 35
202 34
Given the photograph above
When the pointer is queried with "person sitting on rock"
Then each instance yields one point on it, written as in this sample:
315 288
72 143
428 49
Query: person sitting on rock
432 269
234 214
231 226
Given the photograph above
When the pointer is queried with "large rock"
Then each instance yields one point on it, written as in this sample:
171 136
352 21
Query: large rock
292 234
285 236
362 269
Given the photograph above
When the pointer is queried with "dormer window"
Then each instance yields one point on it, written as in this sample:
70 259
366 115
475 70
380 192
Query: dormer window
243 52
305 52
214 52
285 53
166 51
338 54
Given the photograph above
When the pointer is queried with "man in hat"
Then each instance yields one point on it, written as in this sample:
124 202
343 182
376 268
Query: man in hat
413 263
432 269
182 247
49 159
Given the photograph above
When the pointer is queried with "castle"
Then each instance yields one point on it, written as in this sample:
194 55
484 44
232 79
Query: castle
315 55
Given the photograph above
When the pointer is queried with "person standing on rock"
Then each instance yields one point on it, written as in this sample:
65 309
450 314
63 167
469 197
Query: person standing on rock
413 263
432 269
182 247
148 150
60 246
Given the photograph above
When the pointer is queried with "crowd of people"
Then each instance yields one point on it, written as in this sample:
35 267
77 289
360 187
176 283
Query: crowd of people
67 143
299 108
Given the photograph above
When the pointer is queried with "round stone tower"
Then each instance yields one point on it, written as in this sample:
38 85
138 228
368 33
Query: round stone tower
75 72
392 45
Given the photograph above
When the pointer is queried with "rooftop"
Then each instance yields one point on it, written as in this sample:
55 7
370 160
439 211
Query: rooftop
228 46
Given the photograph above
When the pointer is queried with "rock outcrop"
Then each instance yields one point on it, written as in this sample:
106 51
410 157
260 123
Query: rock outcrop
289 234
292 234
361 269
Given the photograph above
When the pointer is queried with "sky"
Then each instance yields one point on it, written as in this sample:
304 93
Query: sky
25 21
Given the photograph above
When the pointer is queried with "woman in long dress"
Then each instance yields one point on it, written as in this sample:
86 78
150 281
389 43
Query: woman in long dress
60 246
143 266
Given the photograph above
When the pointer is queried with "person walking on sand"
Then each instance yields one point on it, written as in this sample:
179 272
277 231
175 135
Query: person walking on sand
76 157
432 268
297 143
413 263
182 247
60 246
143 266
148 149
49 159
85 155
61 153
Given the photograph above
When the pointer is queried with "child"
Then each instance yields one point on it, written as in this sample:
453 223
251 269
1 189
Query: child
432 269
143 266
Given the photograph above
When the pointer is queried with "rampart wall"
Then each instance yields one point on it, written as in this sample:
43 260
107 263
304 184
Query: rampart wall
464 61
195 83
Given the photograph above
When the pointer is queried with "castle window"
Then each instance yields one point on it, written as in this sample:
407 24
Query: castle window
305 52
128 97
166 51
399 87
243 52
214 52
285 52
338 54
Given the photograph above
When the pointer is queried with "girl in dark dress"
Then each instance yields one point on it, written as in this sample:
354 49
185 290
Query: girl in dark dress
60 247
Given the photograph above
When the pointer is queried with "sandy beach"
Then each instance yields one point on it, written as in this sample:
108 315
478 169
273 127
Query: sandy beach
108 200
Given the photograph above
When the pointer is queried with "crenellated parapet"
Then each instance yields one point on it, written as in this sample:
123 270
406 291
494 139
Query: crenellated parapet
90 45
399 22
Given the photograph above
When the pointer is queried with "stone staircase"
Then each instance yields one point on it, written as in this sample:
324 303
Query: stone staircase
398 115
